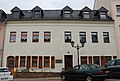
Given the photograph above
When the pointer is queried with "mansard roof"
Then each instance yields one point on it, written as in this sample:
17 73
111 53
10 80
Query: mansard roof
58 14
2 16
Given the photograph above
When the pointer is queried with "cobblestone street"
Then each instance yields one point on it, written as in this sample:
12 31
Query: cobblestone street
51 79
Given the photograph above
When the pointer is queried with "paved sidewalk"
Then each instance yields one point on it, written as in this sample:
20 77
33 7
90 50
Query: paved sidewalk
39 79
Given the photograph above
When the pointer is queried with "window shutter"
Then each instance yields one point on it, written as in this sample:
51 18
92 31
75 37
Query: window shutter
52 62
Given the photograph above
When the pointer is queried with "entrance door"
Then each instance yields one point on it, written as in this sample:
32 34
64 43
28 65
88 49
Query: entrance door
10 63
68 62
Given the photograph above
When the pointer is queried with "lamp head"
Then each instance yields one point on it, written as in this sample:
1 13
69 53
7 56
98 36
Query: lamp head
72 43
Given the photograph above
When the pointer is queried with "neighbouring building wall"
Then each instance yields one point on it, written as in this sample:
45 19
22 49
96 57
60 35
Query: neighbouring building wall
2 31
57 48
111 5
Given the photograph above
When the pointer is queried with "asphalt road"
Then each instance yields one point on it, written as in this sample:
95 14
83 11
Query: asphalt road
51 79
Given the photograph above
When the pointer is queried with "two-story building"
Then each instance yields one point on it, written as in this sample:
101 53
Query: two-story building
40 40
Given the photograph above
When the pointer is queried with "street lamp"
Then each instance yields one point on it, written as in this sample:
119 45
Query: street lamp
82 41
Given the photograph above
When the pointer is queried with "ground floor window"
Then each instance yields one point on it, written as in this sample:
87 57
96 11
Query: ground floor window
83 59
33 61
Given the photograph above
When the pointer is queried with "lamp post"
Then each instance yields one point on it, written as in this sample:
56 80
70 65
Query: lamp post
82 41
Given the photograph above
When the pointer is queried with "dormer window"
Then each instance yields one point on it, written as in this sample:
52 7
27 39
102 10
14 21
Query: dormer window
16 15
86 15
67 14
103 15
37 14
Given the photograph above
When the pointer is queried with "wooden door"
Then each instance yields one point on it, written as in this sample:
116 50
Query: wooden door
68 62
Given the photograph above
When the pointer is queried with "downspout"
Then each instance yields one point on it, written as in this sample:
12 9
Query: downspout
5 22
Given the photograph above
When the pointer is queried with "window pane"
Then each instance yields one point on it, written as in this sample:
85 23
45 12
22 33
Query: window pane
67 14
23 36
22 61
96 60
67 37
47 36
86 14
118 9
35 37
83 60
82 35
106 37
12 36
34 61
94 37
46 61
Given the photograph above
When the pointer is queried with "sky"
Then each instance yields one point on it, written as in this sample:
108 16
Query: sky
7 5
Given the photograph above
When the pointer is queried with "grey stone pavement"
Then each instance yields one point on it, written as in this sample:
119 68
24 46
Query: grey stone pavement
50 79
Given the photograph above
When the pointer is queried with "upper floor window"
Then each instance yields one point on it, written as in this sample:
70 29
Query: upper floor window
12 36
67 14
47 36
35 37
103 15
94 37
37 14
106 37
67 36
15 15
82 35
23 36
86 14
118 9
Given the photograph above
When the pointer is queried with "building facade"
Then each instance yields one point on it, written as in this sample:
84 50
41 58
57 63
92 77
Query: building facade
113 7
2 31
40 40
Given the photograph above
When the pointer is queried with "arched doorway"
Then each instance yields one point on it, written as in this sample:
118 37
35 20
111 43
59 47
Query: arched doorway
10 63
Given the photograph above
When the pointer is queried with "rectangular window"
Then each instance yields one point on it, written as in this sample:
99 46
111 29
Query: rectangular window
22 61
35 37
40 62
46 62
16 61
86 15
12 36
83 59
82 35
67 37
118 9
96 60
34 61
52 62
47 36
67 14
106 37
94 37
103 15
90 59
108 58
23 36
16 15
28 61
37 14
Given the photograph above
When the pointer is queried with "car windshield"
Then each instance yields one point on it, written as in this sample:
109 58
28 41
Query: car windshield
4 70
96 66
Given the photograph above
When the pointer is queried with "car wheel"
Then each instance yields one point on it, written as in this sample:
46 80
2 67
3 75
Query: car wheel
88 78
63 77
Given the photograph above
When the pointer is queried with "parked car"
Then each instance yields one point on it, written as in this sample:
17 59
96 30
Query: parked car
86 72
114 66
5 74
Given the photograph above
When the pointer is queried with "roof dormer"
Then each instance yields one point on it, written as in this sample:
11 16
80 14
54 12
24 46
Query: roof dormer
66 12
102 13
17 13
85 13
2 15
37 12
